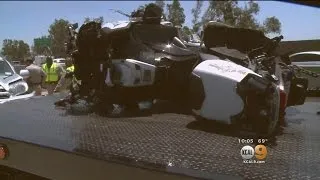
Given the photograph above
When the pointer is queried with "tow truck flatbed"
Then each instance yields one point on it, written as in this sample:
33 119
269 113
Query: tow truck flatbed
51 143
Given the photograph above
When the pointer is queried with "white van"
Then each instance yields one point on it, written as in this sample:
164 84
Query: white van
60 61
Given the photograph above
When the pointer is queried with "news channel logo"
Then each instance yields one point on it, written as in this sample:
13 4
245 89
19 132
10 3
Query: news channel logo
259 152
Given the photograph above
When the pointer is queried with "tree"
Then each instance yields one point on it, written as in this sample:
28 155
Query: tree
185 33
15 49
23 50
176 13
231 13
86 20
221 11
41 45
142 7
161 4
99 19
187 30
246 17
196 13
58 34
7 47
272 24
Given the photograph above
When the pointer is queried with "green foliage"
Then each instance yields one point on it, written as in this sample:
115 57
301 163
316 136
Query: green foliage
41 45
176 13
186 30
196 11
228 12
86 20
161 4
222 11
16 50
231 13
58 33
272 25
99 19
184 33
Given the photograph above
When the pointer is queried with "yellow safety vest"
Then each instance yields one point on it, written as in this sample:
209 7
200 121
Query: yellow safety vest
70 69
52 73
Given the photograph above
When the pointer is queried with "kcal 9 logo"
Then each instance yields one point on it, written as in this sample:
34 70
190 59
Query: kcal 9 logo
260 152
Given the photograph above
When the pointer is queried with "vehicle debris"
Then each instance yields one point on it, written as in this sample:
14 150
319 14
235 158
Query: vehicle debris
168 70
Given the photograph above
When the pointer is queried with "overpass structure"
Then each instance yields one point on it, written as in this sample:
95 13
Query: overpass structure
290 47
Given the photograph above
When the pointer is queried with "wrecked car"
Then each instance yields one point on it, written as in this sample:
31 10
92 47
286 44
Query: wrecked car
134 61
12 85
252 49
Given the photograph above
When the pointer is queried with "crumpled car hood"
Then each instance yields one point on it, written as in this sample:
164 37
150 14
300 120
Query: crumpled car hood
5 81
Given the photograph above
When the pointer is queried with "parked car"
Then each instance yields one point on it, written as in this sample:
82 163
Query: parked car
12 85
60 61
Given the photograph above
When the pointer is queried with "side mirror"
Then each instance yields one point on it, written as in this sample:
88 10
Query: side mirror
75 26
24 73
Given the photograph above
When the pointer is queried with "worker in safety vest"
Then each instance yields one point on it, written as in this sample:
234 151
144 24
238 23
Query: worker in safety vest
70 69
54 72
66 80
71 83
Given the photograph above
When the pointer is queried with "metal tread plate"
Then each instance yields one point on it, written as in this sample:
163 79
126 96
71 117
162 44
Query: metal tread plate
167 141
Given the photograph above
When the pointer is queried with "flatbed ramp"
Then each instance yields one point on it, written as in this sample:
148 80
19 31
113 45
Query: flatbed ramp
162 142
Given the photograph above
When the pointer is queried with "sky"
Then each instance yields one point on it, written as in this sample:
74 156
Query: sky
26 20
